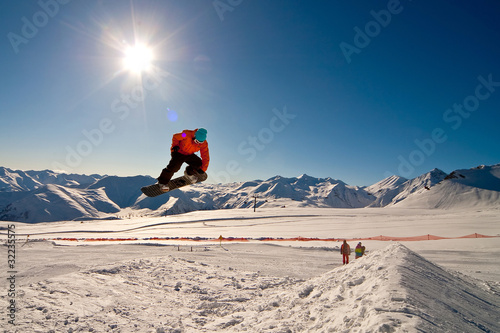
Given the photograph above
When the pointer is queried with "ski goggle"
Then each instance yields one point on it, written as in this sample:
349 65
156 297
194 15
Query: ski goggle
197 141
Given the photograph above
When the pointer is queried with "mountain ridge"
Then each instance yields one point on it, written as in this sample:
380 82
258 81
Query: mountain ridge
46 196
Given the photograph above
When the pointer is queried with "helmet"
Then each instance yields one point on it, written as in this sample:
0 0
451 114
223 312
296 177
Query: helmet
201 134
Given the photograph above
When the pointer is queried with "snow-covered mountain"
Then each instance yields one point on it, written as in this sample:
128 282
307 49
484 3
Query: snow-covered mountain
302 191
123 191
468 188
394 189
17 180
41 196
385 190
50 203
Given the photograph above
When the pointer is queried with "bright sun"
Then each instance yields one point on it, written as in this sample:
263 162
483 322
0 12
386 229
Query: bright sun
138 58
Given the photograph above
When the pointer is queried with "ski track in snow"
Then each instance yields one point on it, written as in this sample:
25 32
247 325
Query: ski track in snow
204 222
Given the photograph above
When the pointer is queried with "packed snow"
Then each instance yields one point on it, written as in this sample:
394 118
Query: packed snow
173 274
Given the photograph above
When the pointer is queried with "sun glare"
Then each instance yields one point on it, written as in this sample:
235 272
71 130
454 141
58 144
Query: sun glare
138 58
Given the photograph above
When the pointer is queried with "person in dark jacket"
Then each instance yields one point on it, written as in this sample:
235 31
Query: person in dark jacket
345 250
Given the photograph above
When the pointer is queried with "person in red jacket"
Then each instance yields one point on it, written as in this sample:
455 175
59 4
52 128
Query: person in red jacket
345 250
183 149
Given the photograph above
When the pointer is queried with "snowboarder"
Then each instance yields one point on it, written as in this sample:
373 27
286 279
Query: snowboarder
345 250
183 149
359 251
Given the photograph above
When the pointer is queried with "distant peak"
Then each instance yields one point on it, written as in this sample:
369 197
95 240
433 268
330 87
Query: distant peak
436 170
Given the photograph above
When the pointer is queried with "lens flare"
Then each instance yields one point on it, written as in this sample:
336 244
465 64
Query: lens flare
172 115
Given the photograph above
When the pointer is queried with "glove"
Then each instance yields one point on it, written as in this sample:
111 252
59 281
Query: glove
175 149
200 171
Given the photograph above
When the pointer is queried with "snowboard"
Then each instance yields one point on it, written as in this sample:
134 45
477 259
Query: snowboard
154 190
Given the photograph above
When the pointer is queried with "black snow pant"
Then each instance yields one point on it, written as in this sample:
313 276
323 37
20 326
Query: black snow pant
193 161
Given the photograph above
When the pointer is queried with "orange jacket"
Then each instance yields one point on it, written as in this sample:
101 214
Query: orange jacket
345 249
187 146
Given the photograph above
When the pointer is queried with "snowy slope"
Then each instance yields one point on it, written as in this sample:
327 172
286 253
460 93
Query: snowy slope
483 177
73 180
17 180
388 183
395 189
385 190
55 203
423 182
124 191
12 181
389 290
468 188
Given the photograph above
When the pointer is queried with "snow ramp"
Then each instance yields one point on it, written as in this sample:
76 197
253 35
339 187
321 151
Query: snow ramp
390 290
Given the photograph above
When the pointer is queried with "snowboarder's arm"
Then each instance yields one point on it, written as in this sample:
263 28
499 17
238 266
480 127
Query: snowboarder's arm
205 156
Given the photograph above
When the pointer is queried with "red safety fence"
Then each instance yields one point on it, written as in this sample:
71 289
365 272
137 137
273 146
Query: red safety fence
421 238
269 239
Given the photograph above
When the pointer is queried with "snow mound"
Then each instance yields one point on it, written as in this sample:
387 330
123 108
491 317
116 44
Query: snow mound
390 290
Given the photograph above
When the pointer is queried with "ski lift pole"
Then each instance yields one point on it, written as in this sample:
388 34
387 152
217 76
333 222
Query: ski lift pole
255 202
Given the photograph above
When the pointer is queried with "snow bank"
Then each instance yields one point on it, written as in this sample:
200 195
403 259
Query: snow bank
390 290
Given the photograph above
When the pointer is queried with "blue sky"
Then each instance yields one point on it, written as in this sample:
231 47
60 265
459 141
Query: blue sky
353 90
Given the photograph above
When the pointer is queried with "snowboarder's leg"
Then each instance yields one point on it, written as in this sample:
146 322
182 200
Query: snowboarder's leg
173 166
194 164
